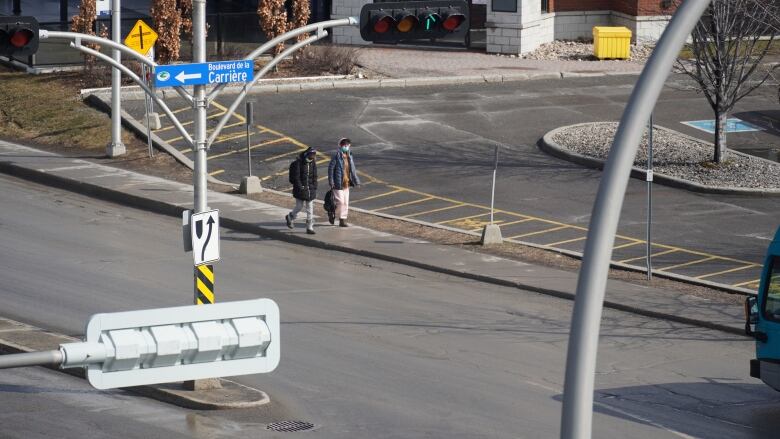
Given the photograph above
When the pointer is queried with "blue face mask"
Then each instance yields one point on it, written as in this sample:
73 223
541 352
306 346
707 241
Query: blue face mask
344 148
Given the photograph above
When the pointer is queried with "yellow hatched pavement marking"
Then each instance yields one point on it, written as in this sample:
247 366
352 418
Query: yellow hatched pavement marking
567 241
378 196
285 171
184 124
434 210
217 172
463 218
457 204
404 204
539 232
744 267
267 142
665 252
287 154
697 261
630 244
750 282
503 224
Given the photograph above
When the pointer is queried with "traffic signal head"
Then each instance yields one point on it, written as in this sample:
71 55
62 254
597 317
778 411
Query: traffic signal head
18 36
392 22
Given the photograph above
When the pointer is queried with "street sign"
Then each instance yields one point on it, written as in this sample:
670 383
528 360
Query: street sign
141 37
204 73
102 8
204 229
164 345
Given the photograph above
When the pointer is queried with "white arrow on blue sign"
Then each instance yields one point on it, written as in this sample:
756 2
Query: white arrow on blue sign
204 73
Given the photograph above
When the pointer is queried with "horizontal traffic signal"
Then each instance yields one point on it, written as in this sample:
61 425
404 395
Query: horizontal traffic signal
391 22
18 36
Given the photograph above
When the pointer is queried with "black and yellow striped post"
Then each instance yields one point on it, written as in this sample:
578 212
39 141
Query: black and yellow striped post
204 284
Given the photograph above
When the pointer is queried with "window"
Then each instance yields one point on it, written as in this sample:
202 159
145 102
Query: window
545 6
771 305
503 5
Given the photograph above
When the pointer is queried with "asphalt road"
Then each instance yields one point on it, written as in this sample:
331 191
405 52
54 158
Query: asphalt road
427 153
369 348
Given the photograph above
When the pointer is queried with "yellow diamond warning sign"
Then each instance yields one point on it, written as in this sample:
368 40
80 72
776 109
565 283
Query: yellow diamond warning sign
141 38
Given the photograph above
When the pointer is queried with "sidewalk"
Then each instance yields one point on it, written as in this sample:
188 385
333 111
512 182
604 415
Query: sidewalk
410 63
238 213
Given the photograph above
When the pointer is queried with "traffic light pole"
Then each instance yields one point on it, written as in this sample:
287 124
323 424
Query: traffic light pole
116 147
577 413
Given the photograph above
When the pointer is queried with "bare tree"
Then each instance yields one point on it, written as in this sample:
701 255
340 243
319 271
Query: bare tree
728 45
274 19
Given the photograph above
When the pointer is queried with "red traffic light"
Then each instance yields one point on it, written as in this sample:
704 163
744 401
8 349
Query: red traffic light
452 20
18 36
21 37
383 23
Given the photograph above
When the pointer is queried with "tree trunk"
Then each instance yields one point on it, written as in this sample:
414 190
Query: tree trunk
720 136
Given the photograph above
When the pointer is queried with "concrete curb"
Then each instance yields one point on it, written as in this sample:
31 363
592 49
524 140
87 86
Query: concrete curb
548 145
174 210
17 337
294 85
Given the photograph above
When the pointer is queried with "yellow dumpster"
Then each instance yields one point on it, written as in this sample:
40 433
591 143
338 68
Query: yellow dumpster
611 42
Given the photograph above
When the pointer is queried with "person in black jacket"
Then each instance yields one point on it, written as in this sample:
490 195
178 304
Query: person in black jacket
303 176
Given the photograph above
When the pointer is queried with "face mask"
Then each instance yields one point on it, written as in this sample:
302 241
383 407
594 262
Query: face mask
309 158
344 148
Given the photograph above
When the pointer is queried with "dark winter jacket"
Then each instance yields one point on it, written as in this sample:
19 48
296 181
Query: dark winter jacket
336 171
303 175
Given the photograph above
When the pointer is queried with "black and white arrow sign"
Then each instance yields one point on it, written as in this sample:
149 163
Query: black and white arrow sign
205 237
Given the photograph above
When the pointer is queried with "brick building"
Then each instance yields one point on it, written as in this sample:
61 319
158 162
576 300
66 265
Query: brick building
520 26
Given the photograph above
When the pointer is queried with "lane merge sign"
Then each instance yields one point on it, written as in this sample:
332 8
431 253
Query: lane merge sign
204 73
205 237
141 38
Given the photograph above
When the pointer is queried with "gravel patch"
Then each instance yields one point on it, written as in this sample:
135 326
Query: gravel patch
677 156
582 51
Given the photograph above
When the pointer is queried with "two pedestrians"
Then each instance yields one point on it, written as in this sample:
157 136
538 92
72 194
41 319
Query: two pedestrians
342 175
303 176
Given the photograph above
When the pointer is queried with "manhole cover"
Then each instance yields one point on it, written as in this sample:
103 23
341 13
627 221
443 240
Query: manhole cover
290 426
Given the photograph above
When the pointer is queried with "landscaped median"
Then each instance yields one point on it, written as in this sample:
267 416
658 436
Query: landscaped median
678 160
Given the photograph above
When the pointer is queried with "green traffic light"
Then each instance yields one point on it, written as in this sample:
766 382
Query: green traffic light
429 22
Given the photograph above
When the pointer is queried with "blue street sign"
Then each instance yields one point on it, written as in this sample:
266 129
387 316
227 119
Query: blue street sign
204 73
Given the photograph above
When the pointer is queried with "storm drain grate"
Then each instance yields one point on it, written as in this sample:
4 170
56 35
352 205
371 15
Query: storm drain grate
290 426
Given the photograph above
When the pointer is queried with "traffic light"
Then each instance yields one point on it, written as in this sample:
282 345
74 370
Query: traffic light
390 22
18 36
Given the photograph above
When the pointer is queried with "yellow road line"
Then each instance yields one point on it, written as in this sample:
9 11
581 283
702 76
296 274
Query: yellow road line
728 271
512 222
404 204
224 110
378 196
697 261
539 232
666 252
285 171
751 282
627 245
434 210
287 154
464 218
184 124
216 172
567 241
267 142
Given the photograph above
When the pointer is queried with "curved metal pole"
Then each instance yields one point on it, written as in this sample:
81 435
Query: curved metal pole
42 358
141 83
319 27
576 419
259 75
77 37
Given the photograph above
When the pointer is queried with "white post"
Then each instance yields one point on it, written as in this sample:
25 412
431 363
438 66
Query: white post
577 413
116 147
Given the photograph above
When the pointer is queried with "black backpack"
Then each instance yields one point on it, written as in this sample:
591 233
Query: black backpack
291 171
